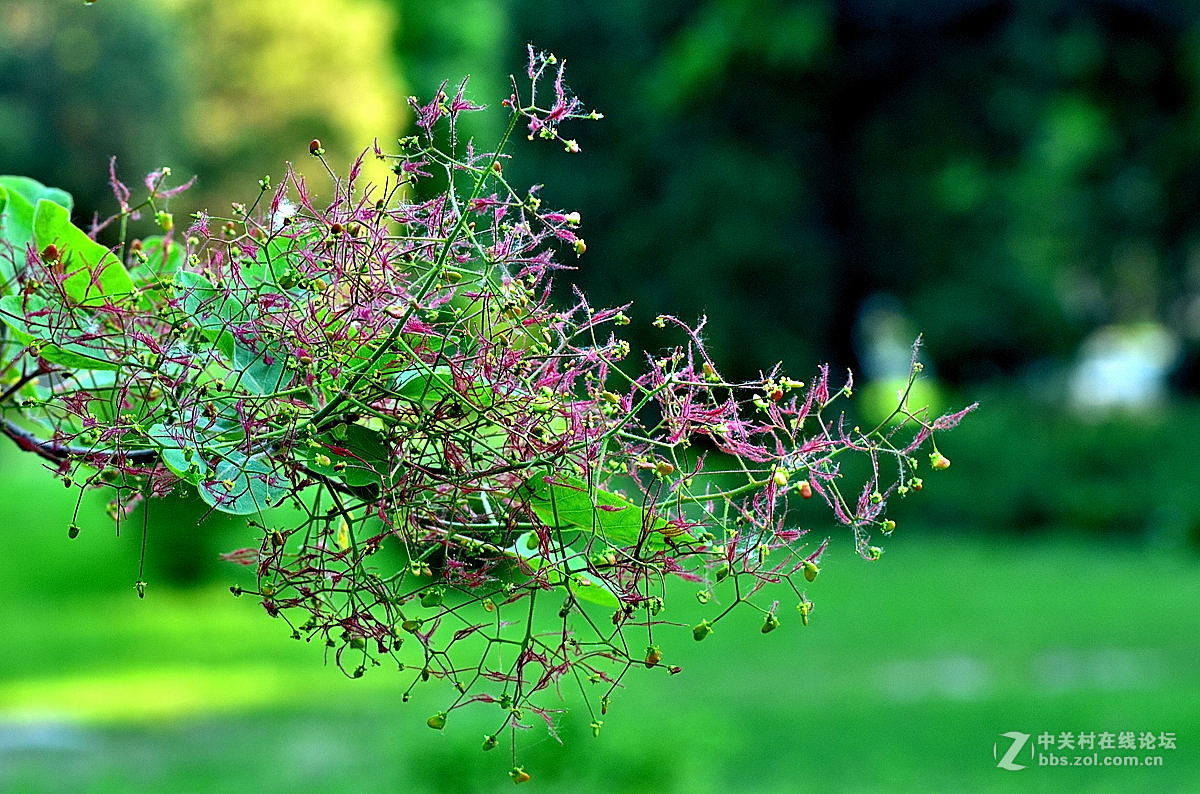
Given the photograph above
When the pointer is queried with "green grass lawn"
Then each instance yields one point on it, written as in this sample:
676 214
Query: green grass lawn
911 669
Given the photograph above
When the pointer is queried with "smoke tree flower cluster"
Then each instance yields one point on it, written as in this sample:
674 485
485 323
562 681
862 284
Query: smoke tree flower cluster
448 473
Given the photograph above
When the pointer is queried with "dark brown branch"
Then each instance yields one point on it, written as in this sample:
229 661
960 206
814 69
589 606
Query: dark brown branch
57 453
367 493
20 384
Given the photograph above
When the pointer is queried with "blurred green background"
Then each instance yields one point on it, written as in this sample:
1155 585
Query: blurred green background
1018 181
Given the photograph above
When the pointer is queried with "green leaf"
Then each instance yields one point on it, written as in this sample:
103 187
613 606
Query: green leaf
566 563
569 502
34 191
41 330
16 224
588 587
362 451
18 196
84 380
211 310
94 275
243 485
179 454
8 251
437 385
278 262
259 373
16 231
163 258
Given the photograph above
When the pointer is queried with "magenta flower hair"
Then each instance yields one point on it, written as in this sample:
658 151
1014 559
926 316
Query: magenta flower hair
448 473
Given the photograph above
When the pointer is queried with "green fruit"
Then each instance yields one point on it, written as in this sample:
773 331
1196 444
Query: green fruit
810 570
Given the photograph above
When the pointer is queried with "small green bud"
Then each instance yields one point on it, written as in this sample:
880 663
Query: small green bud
437 721
490 743
771 623
701 630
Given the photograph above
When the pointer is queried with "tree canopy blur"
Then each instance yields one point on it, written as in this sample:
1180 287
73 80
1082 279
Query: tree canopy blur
1004 176
227 90
1010 174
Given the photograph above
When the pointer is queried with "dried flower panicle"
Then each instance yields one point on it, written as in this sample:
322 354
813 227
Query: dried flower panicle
493 491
